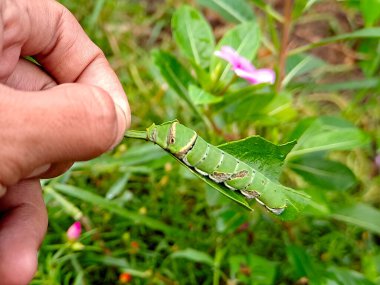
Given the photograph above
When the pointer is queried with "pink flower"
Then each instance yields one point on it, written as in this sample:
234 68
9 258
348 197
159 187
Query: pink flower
244 68
377 161
73 233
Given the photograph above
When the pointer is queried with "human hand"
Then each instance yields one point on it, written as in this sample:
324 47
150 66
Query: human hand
71 108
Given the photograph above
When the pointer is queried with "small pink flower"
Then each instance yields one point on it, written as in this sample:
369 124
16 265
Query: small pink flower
377 161
73 233
244 68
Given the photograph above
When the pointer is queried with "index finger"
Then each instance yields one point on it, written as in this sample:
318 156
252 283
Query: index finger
56 39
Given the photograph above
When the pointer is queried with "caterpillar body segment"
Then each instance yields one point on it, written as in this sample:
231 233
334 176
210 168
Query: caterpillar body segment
217 165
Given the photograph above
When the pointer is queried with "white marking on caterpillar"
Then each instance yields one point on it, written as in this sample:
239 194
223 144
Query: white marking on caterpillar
229 187
200 171
184 159
220 161
276 211
181 154
172 133
204 156
251 181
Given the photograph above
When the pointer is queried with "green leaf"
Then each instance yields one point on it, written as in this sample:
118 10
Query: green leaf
246 104
268 159
244 38
360 215
327 134
301 64
67 206
279 110
260 154
344 276
358 34
174 73
318 205
193 35
371 11
301 6
113 207
263 271
194 255
236 11
324 173
200 97
303 265
268 9
118 187
365 83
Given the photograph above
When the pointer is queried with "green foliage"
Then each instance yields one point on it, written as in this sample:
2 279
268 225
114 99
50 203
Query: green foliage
237 11
193 35
146 215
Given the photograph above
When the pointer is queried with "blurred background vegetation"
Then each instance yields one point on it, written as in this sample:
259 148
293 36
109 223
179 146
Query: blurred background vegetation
147 220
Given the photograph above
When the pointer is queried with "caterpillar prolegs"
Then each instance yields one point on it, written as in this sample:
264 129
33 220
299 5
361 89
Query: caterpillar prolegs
218 165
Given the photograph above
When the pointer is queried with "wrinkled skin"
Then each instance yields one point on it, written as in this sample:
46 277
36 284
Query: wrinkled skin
71 108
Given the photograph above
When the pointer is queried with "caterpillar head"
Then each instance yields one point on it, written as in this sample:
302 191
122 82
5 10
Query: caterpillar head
158 134
172 136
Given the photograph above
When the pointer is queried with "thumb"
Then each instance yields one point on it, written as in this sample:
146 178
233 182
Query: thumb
69 122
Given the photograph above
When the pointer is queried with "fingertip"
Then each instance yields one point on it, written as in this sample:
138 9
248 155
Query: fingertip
3 190
122 124
18 267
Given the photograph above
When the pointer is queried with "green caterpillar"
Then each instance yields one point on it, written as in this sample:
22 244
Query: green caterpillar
218 165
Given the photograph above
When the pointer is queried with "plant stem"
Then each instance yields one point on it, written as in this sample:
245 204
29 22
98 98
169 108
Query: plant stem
284 42
142 135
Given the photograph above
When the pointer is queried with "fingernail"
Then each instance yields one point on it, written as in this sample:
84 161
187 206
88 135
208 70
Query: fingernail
3 190
39 170
121 124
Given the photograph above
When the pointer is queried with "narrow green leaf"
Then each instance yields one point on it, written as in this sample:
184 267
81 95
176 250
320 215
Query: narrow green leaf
300 64
318 205
365 83
113 207
304 265
193 35
237 11
177 76
244 38
327 134
268 9
363 33
371 11
174 73
264 269
193 255
200 97
324 173
361 215
67 206
344 276
118 187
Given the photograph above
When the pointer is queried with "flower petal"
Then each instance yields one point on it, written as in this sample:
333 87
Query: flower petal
264 75
74 232
232 56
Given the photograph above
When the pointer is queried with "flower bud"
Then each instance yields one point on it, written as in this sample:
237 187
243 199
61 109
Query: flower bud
73 233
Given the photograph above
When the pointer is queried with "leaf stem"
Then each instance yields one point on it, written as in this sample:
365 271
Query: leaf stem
142 135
